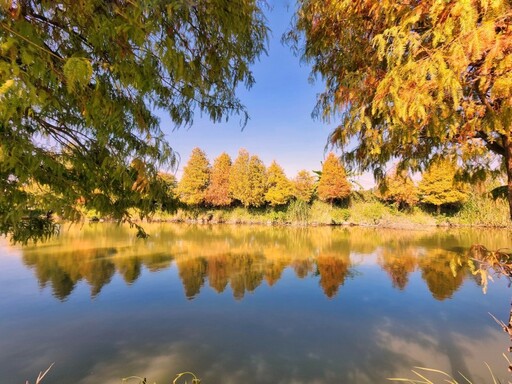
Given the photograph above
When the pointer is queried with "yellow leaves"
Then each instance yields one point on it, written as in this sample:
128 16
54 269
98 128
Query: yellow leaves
141 184
78 72
503 87
6 86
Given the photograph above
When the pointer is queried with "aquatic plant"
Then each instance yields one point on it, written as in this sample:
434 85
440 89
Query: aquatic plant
425 377
141 380
41 375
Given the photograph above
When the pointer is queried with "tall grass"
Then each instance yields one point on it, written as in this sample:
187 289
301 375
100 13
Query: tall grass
426 375
484 210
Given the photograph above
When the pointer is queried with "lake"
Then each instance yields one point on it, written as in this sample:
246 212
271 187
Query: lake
250 304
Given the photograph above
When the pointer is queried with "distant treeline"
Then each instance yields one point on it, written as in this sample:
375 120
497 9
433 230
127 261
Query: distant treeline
247 182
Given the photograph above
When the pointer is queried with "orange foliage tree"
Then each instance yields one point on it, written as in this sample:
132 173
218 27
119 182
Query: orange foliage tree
333 184
217 193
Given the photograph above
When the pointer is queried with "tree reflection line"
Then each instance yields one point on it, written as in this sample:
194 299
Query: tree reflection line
443 271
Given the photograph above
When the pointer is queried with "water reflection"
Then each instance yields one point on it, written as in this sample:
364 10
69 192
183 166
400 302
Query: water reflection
249 304
242 258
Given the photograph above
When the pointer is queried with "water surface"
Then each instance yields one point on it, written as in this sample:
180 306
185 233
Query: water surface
249 304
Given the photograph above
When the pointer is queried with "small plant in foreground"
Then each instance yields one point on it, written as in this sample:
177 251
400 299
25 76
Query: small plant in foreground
445 377
142 380
41 375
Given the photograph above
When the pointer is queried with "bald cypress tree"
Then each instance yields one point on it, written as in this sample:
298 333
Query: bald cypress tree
439 186
80 82
304 186
412 78
195 179
239 184
333 185
279 188
218 193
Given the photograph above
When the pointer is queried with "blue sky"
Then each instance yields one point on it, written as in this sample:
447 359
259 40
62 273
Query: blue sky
279 104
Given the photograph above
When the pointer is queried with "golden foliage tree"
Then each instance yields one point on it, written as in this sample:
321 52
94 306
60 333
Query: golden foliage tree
413 78
398 188
217 193
438 185
257 182
333 184
239 177
248 179
304 186
279 188
195 179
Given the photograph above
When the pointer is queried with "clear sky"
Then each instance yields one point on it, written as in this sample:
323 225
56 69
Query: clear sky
279 105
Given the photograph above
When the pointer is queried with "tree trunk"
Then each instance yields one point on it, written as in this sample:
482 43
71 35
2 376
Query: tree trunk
438 210
507 141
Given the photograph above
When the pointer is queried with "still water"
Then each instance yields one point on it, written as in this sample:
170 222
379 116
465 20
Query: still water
250 304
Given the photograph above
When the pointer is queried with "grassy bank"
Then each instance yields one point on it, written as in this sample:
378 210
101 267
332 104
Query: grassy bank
367 211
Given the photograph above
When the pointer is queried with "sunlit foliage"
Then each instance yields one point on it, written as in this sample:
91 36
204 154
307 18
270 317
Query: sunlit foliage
412 79
247 181
439 186
217 193
398 188
304 186
80 85
195 179
239 177
333 184
279 188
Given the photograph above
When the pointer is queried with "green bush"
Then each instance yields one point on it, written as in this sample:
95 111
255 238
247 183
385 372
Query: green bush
368 212
340 215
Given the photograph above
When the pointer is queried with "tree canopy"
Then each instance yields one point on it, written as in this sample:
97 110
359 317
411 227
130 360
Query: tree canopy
304 186
333 184
195 179
398 188
217 193
80 86
279 188
412 79
439 185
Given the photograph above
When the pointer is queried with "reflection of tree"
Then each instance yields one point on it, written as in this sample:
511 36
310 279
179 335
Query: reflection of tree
218 272
247 274
303 267
332 270
64 270
242 256
274 270
398 263
129 268
442 273
192 273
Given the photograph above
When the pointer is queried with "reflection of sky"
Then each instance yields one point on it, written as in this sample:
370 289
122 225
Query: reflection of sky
287 333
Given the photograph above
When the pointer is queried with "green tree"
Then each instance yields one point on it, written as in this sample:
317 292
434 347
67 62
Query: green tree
169 185
257 182
195 179
239 185
304 186
412 79
333 184
439 186
398 188
217 193
279 188
80 84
